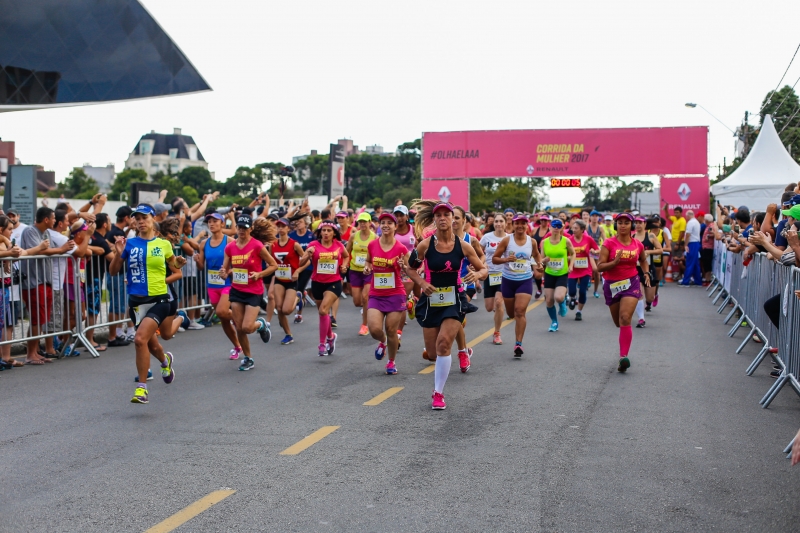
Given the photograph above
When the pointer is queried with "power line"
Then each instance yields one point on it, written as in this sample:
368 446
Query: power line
785 97
789 121
779 83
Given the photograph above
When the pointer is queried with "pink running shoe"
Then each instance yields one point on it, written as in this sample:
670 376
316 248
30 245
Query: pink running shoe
236 353
496 338
463 360
655 301
438 401
323 350
390 368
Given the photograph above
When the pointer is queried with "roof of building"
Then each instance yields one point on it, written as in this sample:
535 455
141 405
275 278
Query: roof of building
165 141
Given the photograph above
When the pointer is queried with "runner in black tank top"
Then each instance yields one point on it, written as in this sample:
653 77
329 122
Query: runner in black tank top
537 235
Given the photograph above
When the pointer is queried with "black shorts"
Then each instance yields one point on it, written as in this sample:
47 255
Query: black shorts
551 282
489 291
303 278
288 285
318 289
246 298
268 279
471 293
707 259
158 310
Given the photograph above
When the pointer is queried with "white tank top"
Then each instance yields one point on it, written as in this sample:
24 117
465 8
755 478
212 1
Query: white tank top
521 268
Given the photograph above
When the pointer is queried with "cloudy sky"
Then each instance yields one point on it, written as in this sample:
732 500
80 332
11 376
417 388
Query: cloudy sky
289 77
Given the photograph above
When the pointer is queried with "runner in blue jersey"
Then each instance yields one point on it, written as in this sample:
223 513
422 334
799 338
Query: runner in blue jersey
303 237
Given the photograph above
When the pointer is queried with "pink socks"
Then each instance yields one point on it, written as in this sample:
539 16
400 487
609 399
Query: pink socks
325 328
625 338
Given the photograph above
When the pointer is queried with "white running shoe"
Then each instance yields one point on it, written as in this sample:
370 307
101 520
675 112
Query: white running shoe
193 325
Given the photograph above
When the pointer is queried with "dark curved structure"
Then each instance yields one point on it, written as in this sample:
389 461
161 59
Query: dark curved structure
73 52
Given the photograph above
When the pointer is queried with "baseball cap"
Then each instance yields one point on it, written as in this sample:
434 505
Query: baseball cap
608 217
793 212
144 209
521 216
284 221
640 219
401 208
214 215
161 208
595 212
364 216
443 205
123 211
625 215
273 216
556 223
16 213
342 214
389 215
795 200
244 221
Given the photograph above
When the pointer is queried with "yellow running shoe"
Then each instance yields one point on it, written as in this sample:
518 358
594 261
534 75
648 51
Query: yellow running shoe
139 395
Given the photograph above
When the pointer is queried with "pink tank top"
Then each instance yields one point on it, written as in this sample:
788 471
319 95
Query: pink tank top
408 240
243 262
387 276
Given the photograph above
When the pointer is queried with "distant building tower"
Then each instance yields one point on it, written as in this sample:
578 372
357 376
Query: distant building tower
104 176
161 152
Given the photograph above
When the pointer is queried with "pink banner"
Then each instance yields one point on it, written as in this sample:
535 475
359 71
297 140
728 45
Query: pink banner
689 193
454 191
599 152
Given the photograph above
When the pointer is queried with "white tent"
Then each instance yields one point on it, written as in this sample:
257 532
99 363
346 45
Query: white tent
763 176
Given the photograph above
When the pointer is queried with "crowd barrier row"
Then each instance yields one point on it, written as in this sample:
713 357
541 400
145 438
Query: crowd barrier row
747 287
59 295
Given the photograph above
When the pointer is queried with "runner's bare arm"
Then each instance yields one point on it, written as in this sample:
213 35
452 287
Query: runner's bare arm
605 264
499 255
272 265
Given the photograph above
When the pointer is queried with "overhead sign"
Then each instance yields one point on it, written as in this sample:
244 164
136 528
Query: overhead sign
545 153
454 191
689 193
20 192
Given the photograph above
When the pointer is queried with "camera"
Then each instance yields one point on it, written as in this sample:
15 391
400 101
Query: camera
287 171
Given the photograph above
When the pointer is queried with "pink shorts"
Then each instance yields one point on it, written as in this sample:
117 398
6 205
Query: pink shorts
215 294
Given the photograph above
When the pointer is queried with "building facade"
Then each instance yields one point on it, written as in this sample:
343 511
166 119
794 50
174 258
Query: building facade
103 176
161 152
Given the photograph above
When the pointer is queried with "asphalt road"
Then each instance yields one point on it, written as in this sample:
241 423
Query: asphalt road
557 441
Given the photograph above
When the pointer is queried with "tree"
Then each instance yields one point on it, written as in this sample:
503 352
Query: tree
77 185
123 181
175 187
198 178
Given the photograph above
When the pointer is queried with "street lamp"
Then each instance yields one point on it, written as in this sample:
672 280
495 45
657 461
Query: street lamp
692 106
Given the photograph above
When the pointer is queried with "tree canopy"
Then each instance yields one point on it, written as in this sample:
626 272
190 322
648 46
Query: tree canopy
611 194
76 185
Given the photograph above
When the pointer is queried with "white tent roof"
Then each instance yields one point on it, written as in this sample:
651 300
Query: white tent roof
762 177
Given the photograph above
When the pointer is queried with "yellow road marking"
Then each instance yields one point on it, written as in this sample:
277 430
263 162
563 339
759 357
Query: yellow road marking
186 514
312 439
479 339
384 395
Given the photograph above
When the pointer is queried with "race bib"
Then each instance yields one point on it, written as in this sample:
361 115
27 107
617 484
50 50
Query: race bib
619 286
240 276
360 260
581 262
443 297
284 273
383 281
556 264
140 311
83 275
214 278
326 267
520 266
495 279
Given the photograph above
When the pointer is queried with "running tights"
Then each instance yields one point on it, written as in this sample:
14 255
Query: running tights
538 283
579 286
640 309
625 338
441 371
325 331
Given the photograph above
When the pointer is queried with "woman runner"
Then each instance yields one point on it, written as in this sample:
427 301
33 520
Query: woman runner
243 263
595 231
493 297
404 234
329 260
515 253
542 231
618 258
386 258
146 258
287 252
584 267
302 236
359 280
443 307
558 258
211 258
652 248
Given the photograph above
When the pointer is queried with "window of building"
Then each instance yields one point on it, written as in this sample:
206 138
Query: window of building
173 153
192 150
146 146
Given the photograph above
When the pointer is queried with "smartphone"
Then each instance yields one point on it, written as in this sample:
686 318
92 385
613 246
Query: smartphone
13 242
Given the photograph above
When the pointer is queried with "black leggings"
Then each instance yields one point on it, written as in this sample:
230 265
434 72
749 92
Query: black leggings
773 309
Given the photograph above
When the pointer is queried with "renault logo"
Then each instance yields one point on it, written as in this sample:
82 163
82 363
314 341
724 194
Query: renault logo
444 194
684 192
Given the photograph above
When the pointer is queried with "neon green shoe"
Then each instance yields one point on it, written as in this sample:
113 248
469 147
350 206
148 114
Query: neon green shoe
624 364
167 372
139 395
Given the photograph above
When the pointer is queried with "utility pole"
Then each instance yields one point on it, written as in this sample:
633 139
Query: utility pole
746 143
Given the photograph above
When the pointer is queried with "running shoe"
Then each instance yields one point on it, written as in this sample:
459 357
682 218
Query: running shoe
344 296
438 401
332 344
773 350
578 316
572 304
518 350
538 295
288 339
247 364
640 324
167 372
194 325
425 354
184 319
624 364
380 351
149 376
236 353
655 301
264 330
323 350
363 331
496 338
661 283
390 368
562 309
399 338
553 327
463 361
298 319
411 307
596 295
71 352
139 395
775 374
648 308
333 322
